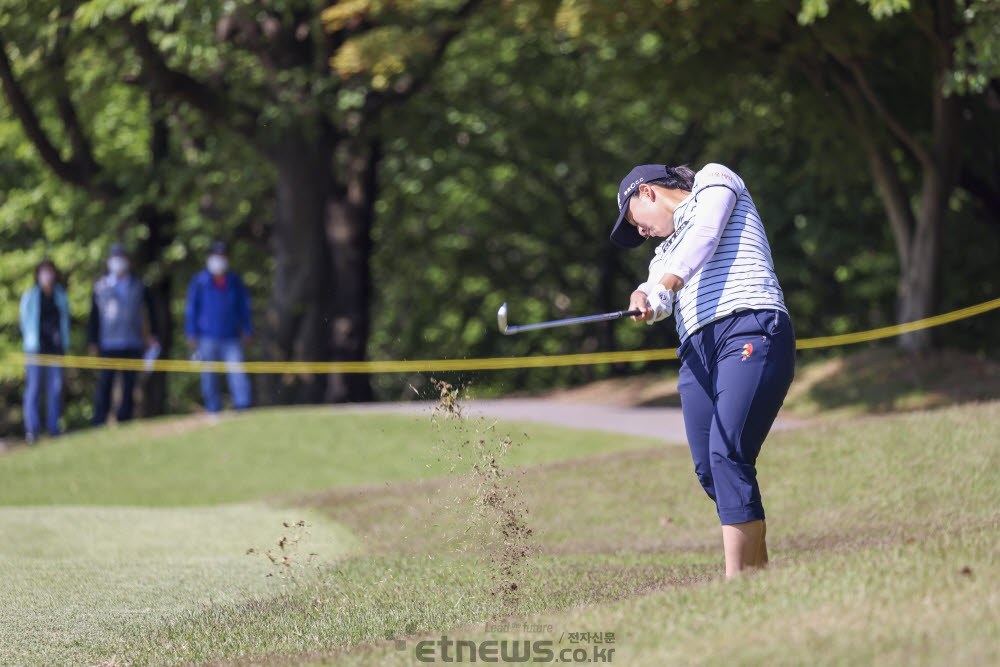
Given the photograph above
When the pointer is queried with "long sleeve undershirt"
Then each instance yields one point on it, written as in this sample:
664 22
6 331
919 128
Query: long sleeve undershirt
715 205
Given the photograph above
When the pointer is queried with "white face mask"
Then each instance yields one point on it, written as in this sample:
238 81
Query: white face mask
217 264
117 265
46 278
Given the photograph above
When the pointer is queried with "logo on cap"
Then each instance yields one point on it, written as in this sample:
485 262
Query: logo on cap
628 191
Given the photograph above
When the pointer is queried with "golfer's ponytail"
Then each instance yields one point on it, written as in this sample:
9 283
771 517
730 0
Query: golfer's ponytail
678 178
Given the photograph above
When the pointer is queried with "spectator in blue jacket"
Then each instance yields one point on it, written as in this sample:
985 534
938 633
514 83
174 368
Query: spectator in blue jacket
45 329
217 322
117 330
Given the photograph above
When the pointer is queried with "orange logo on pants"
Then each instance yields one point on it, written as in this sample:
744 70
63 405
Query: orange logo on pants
747 351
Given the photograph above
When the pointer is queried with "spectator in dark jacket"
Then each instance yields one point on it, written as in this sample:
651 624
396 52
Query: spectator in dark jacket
45 329
217 322
117 330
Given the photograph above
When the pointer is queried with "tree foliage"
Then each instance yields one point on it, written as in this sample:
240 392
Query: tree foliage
392 171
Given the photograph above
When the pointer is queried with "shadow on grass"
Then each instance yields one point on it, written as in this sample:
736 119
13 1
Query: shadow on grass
883 380
873 380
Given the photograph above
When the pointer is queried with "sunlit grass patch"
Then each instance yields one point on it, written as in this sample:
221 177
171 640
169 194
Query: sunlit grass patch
75 578
259 454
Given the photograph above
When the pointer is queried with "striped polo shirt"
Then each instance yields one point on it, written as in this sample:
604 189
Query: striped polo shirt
738 276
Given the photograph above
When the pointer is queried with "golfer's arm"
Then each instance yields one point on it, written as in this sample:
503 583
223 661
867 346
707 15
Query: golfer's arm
715 206
668 280
672 282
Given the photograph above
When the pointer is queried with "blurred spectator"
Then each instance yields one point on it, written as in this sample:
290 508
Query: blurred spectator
45 329
217 322
117 330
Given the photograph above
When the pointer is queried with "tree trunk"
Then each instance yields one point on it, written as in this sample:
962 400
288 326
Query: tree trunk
300 309
161 232
350 211
919 280
919 277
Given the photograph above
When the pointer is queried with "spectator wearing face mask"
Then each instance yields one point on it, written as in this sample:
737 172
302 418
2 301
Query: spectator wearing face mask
45 330
117 330
217 323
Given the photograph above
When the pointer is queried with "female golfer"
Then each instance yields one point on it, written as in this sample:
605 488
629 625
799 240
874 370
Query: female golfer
714 272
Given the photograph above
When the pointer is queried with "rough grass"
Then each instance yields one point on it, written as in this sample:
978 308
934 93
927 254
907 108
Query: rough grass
928 601
883 535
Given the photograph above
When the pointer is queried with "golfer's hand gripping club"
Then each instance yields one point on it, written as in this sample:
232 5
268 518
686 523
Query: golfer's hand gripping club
639 303
654 306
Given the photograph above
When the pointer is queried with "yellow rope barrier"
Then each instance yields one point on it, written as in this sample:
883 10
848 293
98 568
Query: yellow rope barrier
898 329
439 365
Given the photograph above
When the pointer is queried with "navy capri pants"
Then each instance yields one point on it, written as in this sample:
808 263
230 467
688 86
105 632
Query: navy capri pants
734 375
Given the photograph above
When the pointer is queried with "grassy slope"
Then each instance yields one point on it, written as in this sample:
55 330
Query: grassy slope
263 453
75 576
896 603
883 535
870 526
107 533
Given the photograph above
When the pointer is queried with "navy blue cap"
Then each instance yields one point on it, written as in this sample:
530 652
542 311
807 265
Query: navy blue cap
117 250
625 234
217 248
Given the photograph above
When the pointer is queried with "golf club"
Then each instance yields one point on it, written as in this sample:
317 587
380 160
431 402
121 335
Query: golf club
508 330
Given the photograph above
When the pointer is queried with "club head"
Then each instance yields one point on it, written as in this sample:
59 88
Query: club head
502 318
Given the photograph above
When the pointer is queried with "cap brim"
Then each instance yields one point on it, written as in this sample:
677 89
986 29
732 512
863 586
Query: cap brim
625 235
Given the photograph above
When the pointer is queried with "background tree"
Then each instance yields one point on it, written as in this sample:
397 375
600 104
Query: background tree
508 164
908 87
393 171
911 114
90 158
304 87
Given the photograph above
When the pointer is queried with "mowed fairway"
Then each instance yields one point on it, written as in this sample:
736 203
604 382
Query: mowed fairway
130 544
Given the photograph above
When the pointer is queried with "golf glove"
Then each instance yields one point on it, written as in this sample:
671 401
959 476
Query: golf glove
661 300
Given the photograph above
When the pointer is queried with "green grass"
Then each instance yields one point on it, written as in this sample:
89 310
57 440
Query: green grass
77 578
899 603
262 453
106 534
883 535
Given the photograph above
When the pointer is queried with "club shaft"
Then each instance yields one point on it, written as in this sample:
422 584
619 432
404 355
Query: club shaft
572 320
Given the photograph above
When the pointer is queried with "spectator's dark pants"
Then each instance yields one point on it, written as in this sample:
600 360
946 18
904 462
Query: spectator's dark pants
230 351
105 382
52 378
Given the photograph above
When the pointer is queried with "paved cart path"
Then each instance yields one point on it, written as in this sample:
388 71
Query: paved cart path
652 422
